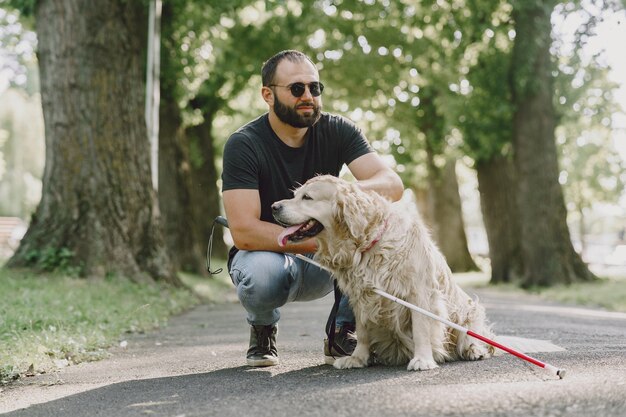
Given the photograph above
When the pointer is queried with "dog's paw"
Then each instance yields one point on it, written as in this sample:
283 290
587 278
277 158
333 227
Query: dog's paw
348 362
476 352
421 364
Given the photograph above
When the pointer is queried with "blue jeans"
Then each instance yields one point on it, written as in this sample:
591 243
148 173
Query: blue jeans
266 281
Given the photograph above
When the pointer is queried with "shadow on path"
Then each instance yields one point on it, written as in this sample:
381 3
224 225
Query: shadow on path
254 391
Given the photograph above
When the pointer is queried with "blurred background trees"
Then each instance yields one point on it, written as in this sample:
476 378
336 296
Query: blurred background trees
437 86
22 147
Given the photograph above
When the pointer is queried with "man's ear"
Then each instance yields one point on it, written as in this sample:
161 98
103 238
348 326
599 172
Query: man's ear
268 95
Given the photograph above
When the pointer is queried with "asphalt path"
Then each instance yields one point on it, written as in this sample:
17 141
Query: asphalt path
196 367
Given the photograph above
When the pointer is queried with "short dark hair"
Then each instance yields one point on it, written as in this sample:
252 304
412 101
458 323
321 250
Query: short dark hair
269 67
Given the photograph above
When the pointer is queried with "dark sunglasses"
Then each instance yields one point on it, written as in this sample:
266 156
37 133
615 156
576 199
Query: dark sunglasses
297 89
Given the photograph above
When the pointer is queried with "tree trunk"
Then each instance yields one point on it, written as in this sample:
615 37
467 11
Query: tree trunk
443 210
548 255
175 197
97 200
204 188
447 221
496 183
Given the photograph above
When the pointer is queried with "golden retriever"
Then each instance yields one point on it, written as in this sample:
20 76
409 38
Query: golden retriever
369 242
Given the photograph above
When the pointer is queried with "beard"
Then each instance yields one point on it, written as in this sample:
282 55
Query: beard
291 116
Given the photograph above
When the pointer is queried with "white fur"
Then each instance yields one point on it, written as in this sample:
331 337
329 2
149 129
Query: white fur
404 262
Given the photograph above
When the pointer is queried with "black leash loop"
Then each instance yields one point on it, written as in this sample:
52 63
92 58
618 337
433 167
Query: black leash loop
331 324
222 221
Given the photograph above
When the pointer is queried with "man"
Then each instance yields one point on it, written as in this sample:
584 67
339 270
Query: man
263 162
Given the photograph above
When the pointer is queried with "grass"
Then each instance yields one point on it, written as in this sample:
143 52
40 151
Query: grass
218 288
50 321
607 293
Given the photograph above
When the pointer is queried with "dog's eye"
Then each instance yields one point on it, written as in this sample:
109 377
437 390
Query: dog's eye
306 197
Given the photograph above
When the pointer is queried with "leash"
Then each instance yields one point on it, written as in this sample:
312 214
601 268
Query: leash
331 322
222 221
332 318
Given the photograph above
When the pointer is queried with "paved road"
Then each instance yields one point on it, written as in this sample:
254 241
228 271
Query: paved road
195 367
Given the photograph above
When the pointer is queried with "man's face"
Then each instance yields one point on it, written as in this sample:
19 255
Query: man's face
303 111
303 114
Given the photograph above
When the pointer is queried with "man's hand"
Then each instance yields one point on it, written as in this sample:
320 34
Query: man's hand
372 173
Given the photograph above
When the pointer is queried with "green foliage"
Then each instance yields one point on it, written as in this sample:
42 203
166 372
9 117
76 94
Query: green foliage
485 113
376 60
51 259
211 51
583 103
50 321
25 7
592 170
411 74
487 116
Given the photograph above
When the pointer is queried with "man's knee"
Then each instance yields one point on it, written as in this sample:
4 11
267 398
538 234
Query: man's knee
263 279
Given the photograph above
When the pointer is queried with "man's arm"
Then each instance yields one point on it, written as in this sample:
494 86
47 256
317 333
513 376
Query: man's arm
243 210
372 173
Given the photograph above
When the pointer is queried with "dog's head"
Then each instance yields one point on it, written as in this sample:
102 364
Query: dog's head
329 208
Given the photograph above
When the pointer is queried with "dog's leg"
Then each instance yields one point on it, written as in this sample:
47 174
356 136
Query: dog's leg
422 354
361 354
438 330
469 348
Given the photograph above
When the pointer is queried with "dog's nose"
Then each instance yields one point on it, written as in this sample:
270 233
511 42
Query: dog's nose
276 207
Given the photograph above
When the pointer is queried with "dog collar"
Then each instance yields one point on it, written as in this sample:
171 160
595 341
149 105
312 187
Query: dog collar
377 238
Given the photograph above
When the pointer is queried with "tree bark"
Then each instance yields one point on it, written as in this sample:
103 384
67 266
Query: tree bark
175 199
548 255
443 212
446 215
98 200
496 184
204 188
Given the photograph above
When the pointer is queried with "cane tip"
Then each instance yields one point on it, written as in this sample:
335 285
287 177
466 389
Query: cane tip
561 373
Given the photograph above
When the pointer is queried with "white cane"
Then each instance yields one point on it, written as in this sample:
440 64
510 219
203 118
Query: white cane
552 369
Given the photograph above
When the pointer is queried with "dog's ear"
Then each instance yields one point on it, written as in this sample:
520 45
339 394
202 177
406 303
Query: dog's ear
351 213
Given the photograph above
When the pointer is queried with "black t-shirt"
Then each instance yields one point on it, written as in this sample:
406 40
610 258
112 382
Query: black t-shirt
255 158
